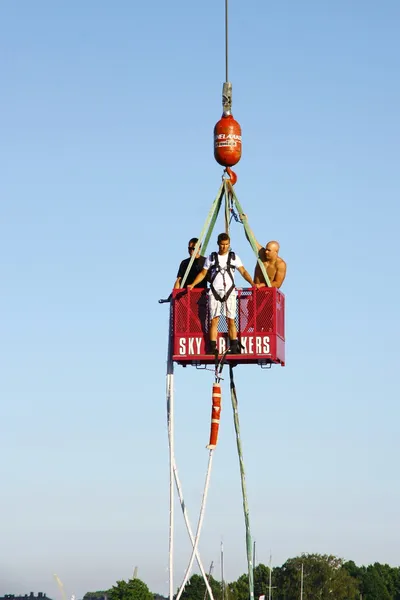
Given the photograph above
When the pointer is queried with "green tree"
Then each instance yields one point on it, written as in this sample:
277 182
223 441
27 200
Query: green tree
388 576
196 588
353 570
261 580
324 579
239 590
376 581
357 573
374 585
396 579
134 589
95 595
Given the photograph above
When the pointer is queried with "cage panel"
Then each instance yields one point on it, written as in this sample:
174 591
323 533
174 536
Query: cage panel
259 319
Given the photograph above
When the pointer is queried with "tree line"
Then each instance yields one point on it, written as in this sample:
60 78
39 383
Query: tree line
316 576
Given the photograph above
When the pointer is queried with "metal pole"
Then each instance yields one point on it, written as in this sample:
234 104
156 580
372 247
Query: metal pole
170 421
209 576
302 577
222 571
270 577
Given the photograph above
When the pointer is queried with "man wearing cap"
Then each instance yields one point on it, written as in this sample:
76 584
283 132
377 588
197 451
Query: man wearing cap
196 267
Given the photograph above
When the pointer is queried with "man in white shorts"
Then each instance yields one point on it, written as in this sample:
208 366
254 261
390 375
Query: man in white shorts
222 267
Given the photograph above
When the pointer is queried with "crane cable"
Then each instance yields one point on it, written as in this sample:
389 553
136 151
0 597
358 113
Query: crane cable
226 41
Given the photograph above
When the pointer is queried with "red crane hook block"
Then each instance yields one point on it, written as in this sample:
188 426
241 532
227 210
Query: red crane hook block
227 141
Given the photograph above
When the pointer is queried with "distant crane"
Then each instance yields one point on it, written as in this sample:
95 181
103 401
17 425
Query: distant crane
209 575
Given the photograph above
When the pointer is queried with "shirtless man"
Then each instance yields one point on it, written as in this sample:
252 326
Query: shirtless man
274 264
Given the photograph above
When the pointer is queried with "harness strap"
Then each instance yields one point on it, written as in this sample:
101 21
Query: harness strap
217 269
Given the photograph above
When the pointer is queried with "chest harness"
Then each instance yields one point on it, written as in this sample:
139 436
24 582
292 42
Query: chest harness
225 271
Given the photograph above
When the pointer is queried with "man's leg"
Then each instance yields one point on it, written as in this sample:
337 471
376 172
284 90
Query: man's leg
230 316
232 329
214 329
215 311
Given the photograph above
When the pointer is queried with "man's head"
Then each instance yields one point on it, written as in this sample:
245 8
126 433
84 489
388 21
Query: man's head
224 243
271 250
192 245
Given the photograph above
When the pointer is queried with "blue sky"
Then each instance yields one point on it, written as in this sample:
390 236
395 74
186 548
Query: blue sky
106 118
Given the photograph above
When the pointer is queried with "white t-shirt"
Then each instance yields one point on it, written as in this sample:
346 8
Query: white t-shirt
223 280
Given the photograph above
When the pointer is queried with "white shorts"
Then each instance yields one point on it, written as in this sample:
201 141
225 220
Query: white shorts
215 306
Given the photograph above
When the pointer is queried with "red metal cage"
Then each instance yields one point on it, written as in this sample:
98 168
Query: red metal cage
260 320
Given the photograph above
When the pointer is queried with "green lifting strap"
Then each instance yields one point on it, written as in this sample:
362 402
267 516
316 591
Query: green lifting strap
209 223
212 225
249 546
225 191
251 237
227 207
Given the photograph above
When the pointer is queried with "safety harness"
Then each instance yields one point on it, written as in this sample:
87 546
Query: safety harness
216 268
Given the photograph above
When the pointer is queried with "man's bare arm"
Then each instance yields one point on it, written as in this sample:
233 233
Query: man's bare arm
246 276
199 278
244 218
279 275
177 284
